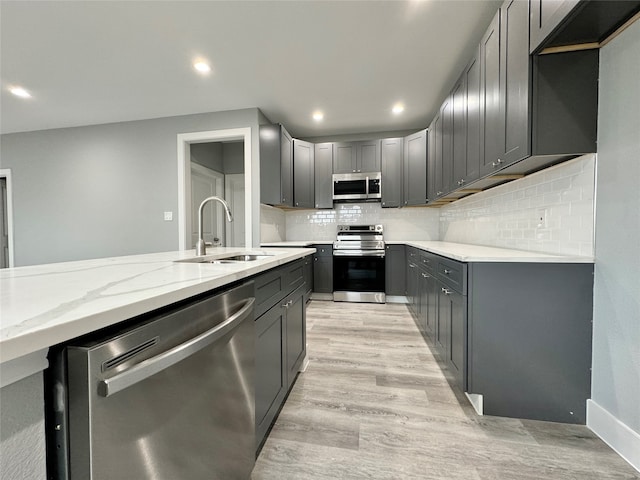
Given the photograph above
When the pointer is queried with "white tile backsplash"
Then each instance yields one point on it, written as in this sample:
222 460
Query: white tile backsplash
272 224
505 216
399 223
509 215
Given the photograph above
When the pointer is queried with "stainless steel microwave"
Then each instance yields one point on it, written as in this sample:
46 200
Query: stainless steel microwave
356 186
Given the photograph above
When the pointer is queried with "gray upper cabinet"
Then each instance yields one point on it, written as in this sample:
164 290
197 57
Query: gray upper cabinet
276 166
515 69
546 16
415 169
473 119
344 157
323 167
459 132
492 127
303 174
391 156
353 157
433 159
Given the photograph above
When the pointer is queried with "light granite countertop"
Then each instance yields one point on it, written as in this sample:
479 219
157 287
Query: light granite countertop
44 305
465 252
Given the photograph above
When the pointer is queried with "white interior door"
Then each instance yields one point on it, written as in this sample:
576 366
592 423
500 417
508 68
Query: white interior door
234 188
205 183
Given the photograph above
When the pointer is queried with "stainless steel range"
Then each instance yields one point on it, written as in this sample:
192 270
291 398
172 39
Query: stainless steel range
358 264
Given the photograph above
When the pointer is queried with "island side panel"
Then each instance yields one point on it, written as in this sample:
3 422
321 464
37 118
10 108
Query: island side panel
530 330
22 438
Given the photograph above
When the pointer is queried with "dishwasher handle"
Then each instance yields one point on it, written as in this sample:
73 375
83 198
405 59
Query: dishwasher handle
166 359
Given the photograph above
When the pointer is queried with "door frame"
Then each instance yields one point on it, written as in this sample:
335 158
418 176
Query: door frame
228 179
184 179
6 174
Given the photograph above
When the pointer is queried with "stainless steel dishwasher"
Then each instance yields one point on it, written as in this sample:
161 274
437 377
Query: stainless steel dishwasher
170 398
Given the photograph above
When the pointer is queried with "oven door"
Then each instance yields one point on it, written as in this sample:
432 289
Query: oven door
358 278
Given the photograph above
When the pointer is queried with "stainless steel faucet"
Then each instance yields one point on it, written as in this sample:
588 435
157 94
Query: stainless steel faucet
201 248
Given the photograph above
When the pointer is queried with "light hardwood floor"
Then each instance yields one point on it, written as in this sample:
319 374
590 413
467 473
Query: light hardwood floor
373 403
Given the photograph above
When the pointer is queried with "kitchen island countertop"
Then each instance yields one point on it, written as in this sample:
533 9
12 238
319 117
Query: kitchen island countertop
43 305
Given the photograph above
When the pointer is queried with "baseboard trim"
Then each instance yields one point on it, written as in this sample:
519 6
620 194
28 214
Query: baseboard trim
397 299
614 433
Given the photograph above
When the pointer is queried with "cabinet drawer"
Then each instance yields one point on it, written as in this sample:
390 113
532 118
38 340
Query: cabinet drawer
270 290
293 274
413 256
428 261
323 250
453 274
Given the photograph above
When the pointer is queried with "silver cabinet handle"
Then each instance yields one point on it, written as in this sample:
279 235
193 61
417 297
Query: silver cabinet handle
424 275
447 272
438 193
496 163
445 291
160 362
287 304
411 265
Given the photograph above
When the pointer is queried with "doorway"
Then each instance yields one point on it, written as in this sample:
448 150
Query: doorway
242 211
6 219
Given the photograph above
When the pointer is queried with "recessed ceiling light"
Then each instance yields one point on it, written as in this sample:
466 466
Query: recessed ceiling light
318 116
397 109
20 92
202 67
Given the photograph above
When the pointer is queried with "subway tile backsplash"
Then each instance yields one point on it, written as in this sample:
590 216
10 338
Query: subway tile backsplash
549 211
399 224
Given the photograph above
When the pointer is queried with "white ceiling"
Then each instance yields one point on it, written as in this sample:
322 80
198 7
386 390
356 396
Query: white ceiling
94 62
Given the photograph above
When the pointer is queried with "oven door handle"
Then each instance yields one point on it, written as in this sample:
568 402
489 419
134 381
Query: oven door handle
358 253
367 184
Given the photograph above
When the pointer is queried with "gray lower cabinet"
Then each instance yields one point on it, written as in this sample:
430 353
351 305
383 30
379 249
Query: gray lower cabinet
280 339
323 269
415 168
276 165
323 169
303 174
392 179
395 270
519 334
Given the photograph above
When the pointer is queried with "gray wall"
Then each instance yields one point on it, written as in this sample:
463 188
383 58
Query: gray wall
22 444
616 336
100 191
208 155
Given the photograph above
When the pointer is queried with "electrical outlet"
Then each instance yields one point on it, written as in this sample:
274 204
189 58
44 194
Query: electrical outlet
541 218
168 216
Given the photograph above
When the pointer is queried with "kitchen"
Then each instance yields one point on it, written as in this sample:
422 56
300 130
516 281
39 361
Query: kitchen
137 160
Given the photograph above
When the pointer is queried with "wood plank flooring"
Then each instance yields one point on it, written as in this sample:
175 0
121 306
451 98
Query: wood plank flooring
373 403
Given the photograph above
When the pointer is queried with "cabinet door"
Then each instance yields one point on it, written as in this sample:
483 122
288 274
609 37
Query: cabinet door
546 15
412 278
286 167
323 169
303 169
492 125
270 380
423 296
431 313
344 157
438 177
442 322
368 156
323 273
457 347
514 83
459 133
432 159
473 119
395 270
446 114
295 334
391 157
415 169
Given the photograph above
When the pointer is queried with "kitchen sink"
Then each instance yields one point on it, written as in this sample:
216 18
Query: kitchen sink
230 259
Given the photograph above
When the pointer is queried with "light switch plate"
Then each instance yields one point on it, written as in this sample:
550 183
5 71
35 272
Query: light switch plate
168 216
